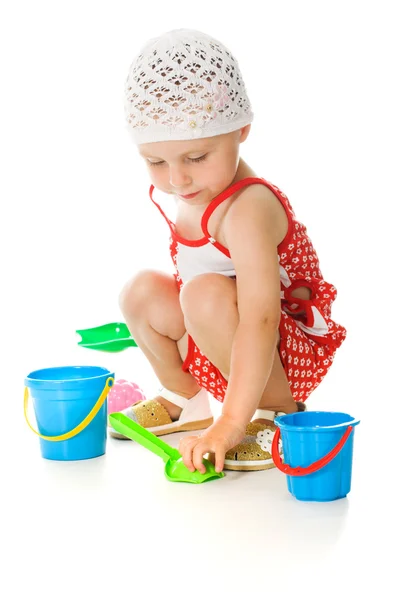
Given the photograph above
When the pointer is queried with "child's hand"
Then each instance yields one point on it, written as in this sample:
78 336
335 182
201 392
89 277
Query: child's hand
218 439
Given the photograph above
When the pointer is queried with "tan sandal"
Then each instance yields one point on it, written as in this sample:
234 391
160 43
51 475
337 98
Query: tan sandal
196 414
253 453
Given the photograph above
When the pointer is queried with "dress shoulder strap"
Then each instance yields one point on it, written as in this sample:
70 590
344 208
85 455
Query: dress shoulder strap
170 224
224 195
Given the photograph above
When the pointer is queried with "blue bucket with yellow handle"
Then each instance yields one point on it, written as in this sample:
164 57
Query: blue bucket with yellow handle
318 452
70 409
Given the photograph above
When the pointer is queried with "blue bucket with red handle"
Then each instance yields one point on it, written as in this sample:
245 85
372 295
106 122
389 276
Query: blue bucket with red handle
318 453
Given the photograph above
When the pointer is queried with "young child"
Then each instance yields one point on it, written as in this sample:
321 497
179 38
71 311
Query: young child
247 315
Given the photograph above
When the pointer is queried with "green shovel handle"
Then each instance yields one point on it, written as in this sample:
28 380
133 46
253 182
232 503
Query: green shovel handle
134 431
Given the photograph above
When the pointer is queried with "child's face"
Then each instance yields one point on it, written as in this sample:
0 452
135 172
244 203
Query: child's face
204 167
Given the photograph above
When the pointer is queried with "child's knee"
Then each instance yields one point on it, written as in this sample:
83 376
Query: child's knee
136 292
201 296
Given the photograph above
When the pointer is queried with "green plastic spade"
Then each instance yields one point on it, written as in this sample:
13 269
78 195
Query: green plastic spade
175 469
112 337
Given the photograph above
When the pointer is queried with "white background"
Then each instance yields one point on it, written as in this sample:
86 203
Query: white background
76 223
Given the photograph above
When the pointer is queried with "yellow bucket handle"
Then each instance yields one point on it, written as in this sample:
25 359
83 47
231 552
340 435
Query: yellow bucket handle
81 426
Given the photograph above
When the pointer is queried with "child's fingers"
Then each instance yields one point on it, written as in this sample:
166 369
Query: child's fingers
198 452
219 459
186 448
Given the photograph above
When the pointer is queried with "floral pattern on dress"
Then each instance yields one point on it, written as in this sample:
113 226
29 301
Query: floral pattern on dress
309 338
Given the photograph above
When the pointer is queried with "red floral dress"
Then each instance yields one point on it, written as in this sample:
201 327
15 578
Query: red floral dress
309 337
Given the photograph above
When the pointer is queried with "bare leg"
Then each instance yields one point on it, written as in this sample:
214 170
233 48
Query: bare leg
211 318
150 305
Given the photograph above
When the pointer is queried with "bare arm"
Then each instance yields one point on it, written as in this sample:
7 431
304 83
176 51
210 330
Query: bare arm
250 232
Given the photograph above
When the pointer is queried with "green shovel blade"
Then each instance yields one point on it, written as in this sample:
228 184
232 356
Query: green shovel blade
175 469
112 337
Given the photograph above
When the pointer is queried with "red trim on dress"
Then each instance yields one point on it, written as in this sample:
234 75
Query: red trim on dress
170 223
284 201
189 355
238 185
226 194
214 204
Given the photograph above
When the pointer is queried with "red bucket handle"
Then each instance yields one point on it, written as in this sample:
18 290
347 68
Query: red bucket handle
318 464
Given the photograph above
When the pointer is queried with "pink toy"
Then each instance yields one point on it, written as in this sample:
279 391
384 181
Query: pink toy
123 394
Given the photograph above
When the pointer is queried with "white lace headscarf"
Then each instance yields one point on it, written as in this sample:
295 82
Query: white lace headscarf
184 85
